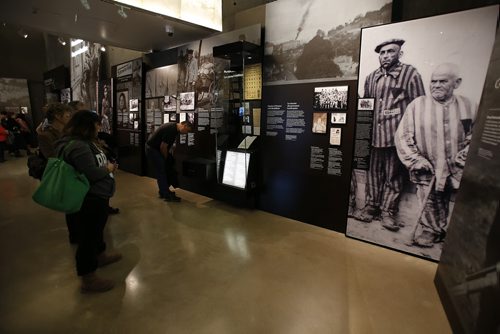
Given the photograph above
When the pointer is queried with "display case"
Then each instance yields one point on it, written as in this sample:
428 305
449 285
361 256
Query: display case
241 73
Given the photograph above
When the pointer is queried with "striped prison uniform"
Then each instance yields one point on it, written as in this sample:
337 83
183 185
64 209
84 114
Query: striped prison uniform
439 133
392 90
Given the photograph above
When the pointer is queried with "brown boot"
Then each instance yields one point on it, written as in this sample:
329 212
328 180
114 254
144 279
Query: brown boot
93 283
389 221
106 258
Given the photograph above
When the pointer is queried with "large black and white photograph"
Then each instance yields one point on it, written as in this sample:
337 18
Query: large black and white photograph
187 101
426 86
201 73
13 94
162 81
330 98
319 40
85 63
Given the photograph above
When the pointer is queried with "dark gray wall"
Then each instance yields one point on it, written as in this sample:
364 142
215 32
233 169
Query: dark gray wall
22 57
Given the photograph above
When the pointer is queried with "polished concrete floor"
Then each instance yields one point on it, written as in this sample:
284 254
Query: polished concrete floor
201 266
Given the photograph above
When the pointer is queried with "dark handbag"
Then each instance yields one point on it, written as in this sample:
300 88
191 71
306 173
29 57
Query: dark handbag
36 166
62 188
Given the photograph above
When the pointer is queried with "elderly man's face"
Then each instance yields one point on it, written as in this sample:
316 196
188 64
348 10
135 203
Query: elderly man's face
389 55
442 86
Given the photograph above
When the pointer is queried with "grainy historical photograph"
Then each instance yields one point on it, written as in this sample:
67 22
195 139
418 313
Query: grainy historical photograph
162 81
14 93
85 73
338 118
134 105
198 71
312 46
330 98
421 77
366 104
187 101
170 103
319 122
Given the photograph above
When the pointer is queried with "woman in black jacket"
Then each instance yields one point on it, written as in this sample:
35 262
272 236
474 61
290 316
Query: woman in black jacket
78 148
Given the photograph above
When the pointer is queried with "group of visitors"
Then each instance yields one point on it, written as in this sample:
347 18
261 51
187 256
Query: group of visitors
16 134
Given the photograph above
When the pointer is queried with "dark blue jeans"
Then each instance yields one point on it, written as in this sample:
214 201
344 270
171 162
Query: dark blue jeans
158 161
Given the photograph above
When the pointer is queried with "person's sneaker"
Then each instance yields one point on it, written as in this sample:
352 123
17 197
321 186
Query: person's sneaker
368 213
172 198
93 283
106 258
426 239
389 222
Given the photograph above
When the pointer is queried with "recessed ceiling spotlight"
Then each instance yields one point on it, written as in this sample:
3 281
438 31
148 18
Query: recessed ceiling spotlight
169 30
22 33
103 49
61 41
85 4
121 12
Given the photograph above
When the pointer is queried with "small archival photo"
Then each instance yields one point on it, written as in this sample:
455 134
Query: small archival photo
169 103
366 104
338 118
319 122
187 101
134 105
330 98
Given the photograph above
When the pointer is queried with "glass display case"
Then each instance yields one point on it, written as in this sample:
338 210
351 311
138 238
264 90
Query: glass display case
240 71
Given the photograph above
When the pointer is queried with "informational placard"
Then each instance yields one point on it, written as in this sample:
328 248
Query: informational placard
317 158
335 136
236 169
275 119
256 121
334 161
363 137
295 122
253 82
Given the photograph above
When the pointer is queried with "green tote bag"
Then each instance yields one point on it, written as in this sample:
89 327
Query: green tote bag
62 188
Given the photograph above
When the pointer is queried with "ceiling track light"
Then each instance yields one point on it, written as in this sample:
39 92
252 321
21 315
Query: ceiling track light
121 11
22 33
103 48
85 4
61 41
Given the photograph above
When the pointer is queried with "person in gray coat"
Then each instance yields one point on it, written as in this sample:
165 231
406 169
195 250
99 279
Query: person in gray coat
78 148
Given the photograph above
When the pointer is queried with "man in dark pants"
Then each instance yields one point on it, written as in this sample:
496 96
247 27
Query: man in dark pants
159 150
393 86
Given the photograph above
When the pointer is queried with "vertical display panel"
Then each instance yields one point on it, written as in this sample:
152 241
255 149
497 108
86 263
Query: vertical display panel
420 88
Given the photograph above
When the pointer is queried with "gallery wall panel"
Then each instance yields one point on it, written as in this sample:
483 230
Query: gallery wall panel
433 131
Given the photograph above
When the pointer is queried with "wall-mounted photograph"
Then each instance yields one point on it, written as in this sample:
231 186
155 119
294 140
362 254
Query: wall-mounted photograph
187 101
319 40
422 74
319 122
338 118
134 105
170 103
366 103
330 98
